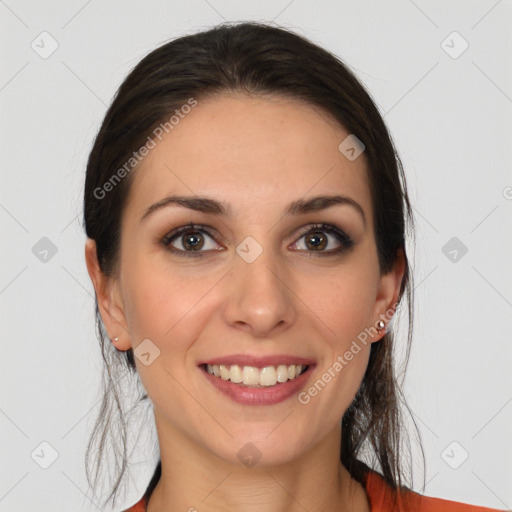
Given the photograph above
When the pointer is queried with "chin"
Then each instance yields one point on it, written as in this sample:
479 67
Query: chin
256 448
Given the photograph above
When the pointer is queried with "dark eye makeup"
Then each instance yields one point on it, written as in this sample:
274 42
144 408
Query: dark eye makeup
315 230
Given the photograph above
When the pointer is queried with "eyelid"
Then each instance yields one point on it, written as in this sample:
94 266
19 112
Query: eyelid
331 228
340 234
168 237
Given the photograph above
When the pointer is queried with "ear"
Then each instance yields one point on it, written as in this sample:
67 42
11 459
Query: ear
387 294
109 299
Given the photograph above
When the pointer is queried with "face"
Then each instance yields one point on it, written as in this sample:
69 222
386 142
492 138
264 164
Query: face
256 284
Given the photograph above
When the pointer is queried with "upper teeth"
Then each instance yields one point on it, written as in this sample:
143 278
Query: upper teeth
252 376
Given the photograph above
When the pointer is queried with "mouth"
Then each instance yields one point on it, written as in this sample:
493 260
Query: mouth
258 385
252 376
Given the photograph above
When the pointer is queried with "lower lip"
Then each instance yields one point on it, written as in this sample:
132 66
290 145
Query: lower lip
270 395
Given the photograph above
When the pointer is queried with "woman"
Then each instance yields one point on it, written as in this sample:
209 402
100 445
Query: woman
246 220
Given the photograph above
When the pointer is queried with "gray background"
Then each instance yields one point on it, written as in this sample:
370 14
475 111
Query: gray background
449 112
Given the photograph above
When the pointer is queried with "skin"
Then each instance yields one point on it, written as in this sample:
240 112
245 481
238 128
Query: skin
258 155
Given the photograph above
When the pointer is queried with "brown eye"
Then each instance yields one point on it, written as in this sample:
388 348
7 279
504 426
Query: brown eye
316 239
191 238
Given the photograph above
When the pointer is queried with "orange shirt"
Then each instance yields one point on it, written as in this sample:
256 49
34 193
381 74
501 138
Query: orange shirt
380 495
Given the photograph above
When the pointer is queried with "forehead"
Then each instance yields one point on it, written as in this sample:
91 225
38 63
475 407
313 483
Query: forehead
250 151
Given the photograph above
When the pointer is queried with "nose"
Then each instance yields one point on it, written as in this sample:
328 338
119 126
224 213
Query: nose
260 298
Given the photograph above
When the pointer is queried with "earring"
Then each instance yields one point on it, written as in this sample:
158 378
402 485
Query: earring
380 325
114 342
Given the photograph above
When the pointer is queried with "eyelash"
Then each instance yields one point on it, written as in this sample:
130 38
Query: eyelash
342 237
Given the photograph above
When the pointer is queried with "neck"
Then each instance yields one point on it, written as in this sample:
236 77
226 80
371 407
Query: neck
194 479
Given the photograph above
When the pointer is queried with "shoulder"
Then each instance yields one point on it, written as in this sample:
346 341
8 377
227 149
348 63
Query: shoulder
140 506
429 504
381 497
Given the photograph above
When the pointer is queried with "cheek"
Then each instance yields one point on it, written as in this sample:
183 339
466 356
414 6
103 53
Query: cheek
166 306
344 302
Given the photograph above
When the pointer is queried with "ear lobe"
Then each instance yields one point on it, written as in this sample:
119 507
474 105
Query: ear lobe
109 305
388 292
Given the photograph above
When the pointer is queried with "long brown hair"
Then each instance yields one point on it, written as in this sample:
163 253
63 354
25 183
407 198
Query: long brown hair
256 59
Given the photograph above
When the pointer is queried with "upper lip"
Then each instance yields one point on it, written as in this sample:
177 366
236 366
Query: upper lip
258 361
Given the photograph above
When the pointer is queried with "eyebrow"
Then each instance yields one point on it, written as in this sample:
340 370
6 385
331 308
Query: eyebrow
222 209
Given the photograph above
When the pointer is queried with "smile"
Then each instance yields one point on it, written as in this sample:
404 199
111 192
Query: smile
254 376
253 385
